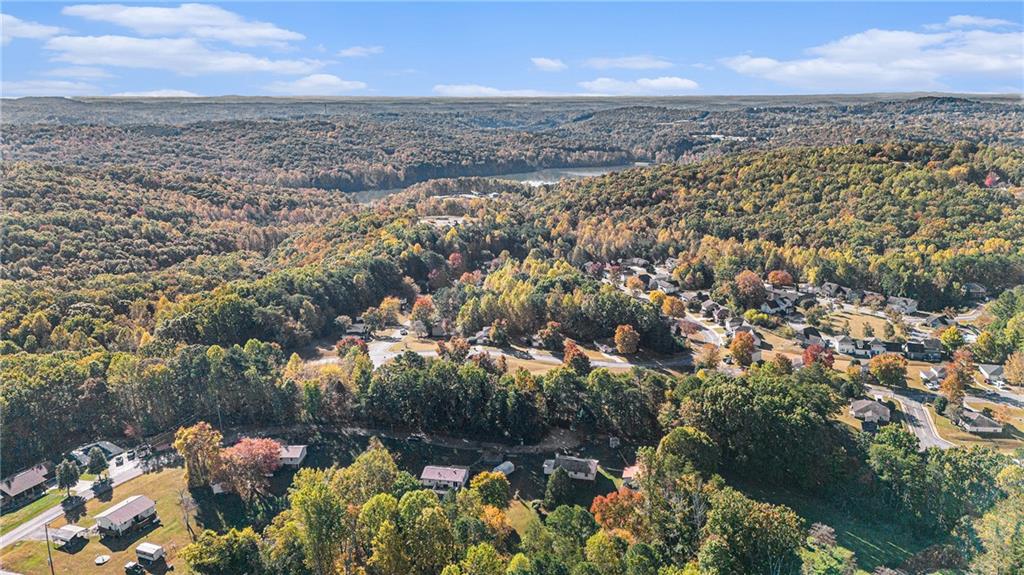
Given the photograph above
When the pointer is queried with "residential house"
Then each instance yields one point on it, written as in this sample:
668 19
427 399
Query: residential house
122 517
630 475
977 422
808 336
81 454
993 374
24 486
869 347
832 290
292 455
844 344
902 304
576 467
928 349
358 328
732 324
937 321
442 479
932 378
869 410
975 290
708 308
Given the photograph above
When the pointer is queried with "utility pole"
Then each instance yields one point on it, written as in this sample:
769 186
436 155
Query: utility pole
49 557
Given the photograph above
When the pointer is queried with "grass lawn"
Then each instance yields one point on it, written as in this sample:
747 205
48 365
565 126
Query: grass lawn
163 487
857 322
520 515
876 541
15 518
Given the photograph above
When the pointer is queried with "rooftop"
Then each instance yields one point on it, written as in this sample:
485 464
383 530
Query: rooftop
439 473
21 482
127 509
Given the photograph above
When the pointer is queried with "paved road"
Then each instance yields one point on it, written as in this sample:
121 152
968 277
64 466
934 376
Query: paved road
916 416
33 528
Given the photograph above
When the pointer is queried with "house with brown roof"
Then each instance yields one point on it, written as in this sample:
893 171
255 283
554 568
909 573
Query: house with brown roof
977 422
24 486
576 467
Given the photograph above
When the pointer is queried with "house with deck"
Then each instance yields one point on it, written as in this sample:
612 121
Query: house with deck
24 486
126 515
577 468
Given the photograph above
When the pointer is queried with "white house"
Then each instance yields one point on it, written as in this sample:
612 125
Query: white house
443 479
576 467
976 422
933 377
122 517
149 552
845 345
292 455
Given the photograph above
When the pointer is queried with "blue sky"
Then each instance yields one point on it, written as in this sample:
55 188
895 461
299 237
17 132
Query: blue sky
506 49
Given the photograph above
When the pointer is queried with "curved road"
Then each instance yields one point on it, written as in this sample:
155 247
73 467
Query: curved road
916 415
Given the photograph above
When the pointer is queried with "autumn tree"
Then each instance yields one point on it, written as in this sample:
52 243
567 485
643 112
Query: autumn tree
635 284
622 509
750 292
199 447
960 374
1014 369
747 536
673 307
237 551
780 278
742 348
817 353
575 358
423 310
627 340
246 464
374 319
321 519
708 356
493 488
390 307
952 339
890 369
456 350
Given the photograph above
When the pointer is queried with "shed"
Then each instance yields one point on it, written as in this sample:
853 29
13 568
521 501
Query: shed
67 534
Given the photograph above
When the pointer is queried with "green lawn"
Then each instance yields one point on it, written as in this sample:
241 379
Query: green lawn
164 487
11 520
876 541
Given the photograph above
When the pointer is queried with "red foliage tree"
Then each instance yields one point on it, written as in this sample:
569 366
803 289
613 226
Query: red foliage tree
247 464
622 509
820 354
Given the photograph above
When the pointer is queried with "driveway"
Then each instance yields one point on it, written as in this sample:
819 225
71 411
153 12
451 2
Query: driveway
916 416
33 528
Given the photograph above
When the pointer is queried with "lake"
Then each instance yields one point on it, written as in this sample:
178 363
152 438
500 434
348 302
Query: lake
534 178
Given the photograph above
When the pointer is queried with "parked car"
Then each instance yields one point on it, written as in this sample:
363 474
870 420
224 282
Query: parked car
131 454
119 460
404 332
133 568
417 437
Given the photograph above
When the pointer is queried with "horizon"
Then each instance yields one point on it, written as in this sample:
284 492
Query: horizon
540 50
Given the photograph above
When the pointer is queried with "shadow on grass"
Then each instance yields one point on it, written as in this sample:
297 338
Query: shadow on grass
117 543
74 508
73 546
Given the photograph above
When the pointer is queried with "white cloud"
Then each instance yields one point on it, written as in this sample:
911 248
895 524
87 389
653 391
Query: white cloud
186 56
892 60
316 85
165 93
196 20
643 86
47 88
80 72
629 63
548 64
360 51
13 27
478 91
965 21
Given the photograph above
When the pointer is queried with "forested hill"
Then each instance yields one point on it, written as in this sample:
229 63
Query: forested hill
899 218
75 222
359 145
